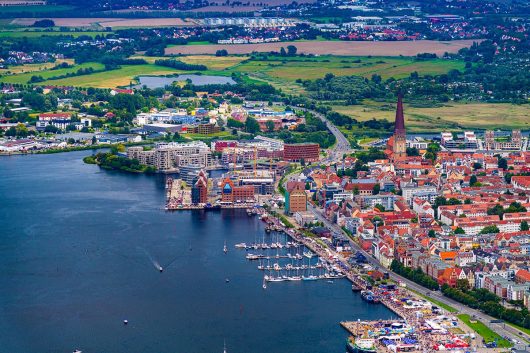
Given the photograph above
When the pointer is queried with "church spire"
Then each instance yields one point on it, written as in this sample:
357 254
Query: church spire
399 125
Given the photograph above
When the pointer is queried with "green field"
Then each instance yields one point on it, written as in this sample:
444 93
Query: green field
281 72
291 69
214 63
485 332
19 69
450 116
114 78
25 77
38 34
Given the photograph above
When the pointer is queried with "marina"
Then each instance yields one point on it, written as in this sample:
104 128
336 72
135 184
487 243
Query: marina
420 327
168 310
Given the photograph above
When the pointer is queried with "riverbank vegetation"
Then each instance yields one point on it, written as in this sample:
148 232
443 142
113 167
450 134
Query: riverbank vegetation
111 161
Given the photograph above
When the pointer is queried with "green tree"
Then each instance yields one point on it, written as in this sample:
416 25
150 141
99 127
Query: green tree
502 163
492 229
459 230
376 189
524 226
291 50
251 125
11 132
412 152
234 123
462 284
270 125
380 207
473 180
496 210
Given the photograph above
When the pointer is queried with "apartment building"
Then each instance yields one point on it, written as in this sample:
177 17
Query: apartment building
167 156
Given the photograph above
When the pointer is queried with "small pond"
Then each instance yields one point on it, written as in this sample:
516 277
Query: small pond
199 80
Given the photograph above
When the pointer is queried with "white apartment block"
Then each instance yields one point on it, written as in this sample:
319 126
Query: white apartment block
167 156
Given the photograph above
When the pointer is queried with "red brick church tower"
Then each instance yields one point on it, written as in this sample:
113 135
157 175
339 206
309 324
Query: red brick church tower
399 145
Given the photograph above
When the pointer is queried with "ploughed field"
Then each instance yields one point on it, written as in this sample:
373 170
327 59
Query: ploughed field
405 48
107 22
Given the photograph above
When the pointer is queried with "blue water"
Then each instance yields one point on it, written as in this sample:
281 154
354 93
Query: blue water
77 246
198 80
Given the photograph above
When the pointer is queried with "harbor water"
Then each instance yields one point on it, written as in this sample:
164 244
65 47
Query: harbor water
80 250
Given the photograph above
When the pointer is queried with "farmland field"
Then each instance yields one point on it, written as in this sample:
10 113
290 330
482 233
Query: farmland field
114 78
451 116
33 67
37 34
108 22
313 68
409 48
280 72
212 62
25 77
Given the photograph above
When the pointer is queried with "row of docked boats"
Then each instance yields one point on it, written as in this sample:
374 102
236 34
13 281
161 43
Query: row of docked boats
265 246
283 278
288 267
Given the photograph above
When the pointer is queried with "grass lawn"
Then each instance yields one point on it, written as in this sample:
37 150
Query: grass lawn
450 116
219 134
484 331
25 77
38 34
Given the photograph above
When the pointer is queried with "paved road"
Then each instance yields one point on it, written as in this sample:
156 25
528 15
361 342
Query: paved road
340 148
502 329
